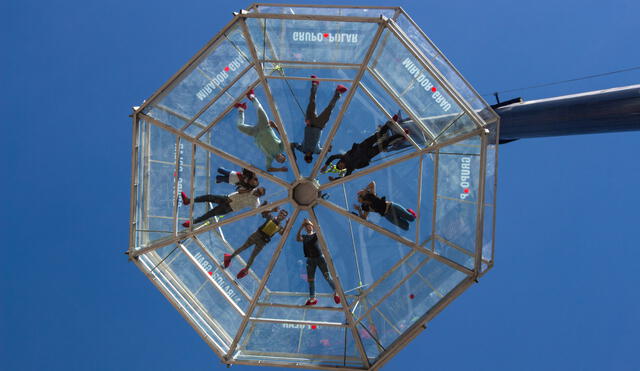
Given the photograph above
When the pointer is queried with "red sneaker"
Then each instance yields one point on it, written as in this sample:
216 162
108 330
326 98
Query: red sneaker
186 224
341 89
395 118
227 260
251 94
336 298
315 82
311 301
243 272
412 212
185 199
241 106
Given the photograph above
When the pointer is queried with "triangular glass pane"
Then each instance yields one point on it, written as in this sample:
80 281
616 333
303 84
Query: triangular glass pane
293 98
289 282
396 189
313 41
366 137
249 137
360 255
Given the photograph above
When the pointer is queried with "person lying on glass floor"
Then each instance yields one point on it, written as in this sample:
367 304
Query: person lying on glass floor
393 212
263 133
315 124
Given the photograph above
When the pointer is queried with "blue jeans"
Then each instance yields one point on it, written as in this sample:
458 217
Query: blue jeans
399 216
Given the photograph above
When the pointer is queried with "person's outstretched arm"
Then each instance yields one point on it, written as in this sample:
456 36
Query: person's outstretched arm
361 213
371 187
299 235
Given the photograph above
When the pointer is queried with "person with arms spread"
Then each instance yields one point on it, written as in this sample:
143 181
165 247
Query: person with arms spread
260 238
263 133
315 124
315 259
361 154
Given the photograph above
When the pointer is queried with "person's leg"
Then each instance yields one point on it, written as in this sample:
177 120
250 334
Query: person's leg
322 264
324 117
217 199
248 243
216 211
256 250
402 212
311 276
385 143
311 107
392 217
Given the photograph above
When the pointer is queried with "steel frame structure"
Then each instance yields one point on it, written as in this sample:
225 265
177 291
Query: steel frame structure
145 253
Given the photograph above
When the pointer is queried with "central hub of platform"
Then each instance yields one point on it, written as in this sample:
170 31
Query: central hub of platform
305 192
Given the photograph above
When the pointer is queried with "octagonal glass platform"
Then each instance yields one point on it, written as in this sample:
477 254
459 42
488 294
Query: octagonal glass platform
393 167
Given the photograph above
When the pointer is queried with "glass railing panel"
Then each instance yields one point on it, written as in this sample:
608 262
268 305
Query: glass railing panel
311 41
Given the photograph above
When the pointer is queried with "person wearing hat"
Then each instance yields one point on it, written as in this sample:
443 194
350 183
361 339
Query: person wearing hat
315 259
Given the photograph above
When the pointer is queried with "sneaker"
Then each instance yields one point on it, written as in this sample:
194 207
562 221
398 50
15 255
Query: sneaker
251 94
240 106
395 118
186 224
185 199
227 260
341 89
412 212
243 272
336 298
311 301
315 82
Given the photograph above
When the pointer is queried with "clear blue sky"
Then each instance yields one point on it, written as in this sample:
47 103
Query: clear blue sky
562 296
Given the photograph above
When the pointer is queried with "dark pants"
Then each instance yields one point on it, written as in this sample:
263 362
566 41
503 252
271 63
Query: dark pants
222 208
224 175
315 120
318 262
256 238
399 216
370 148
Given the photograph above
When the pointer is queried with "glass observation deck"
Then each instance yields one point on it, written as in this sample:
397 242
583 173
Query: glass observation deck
406 121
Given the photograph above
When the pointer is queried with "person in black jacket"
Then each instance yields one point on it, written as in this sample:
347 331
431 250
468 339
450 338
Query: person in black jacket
361 154
315 259
393 212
